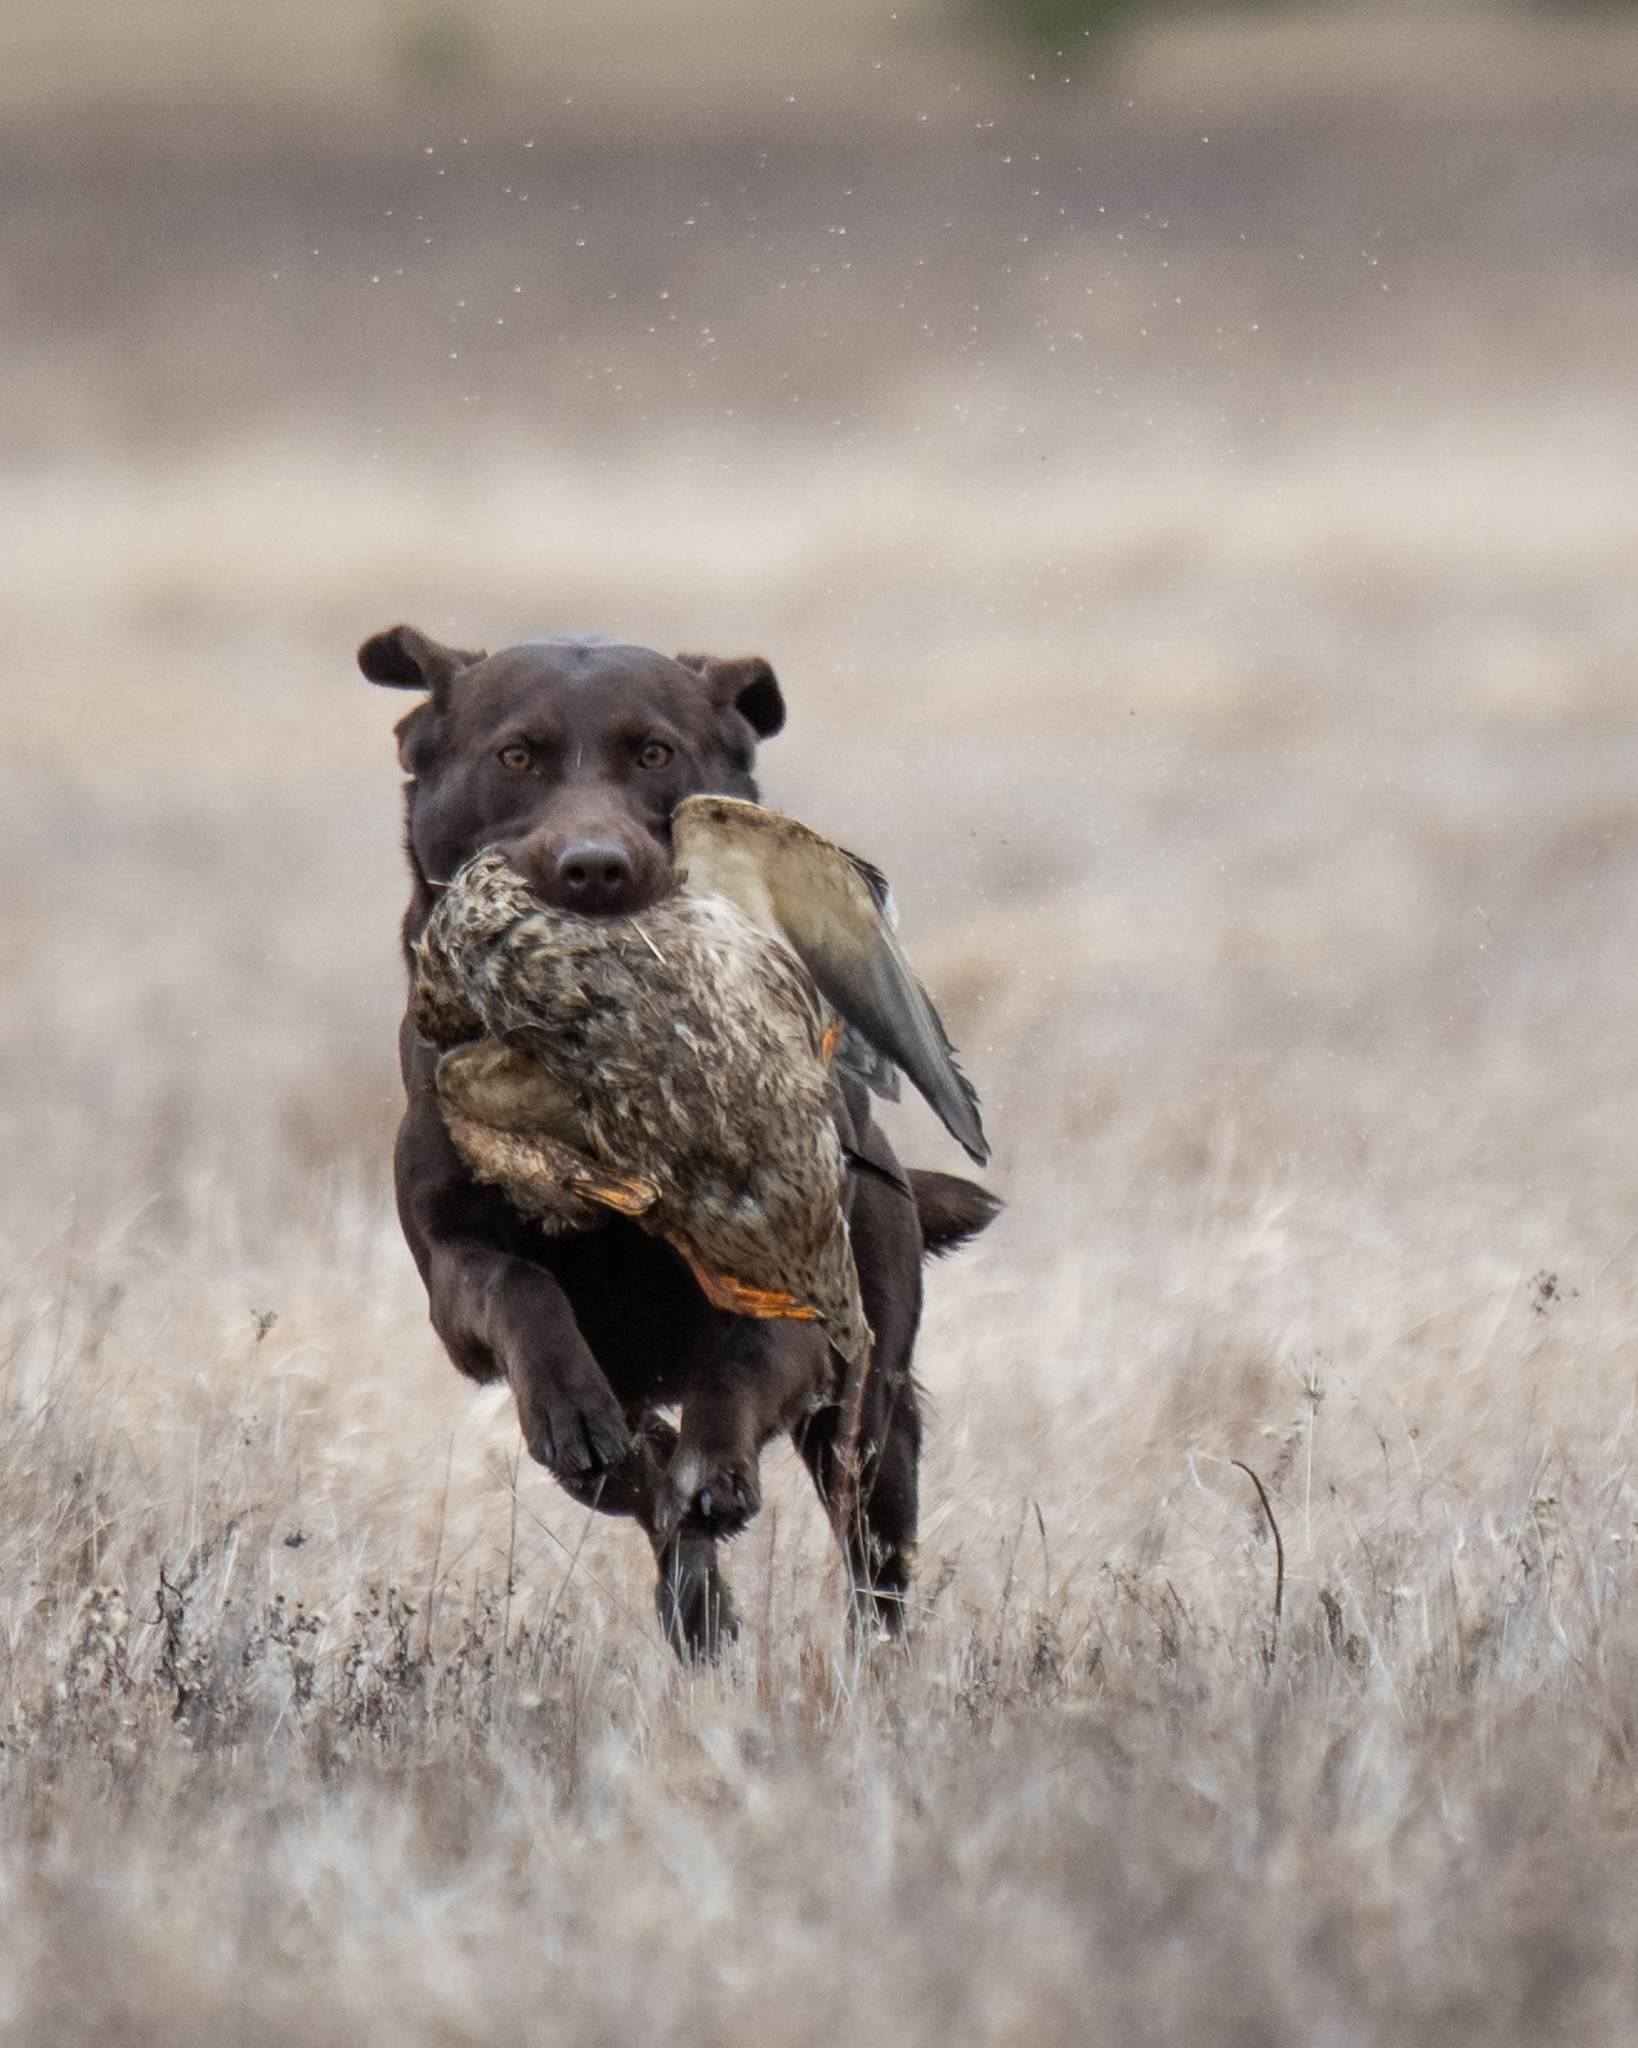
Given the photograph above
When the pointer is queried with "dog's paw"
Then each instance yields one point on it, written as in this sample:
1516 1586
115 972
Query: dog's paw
579 1441
714 1496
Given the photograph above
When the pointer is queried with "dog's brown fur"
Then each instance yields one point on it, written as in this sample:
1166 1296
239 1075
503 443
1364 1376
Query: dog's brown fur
570 756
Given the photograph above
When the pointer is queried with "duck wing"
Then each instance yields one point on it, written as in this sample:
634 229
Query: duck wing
506 1090
860 1057
515 1126
834 912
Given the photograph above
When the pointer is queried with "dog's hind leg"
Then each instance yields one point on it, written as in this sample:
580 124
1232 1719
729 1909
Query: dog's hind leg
888 1516
879 1542
691 1597
878 1497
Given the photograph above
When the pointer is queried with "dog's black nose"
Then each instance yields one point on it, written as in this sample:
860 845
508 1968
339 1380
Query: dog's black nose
595 876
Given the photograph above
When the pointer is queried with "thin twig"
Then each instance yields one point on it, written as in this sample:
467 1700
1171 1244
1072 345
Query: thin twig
438 1550
1012 1573
574 1561
1279 1558
768 1584
511 1559
607 1591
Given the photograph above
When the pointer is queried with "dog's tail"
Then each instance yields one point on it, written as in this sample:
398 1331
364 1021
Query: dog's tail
951 1210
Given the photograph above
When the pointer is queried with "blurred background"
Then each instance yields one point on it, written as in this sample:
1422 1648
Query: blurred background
1181 465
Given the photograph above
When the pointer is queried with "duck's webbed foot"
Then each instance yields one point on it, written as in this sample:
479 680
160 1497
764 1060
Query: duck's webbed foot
739 1298
626 1194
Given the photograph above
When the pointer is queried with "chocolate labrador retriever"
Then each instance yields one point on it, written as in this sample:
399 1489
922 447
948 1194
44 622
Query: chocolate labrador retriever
570 756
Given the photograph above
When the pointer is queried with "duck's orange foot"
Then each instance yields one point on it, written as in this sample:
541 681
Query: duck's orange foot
767 1304
627 1194
832 1039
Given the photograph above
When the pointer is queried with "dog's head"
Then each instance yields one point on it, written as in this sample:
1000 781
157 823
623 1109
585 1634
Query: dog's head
567 755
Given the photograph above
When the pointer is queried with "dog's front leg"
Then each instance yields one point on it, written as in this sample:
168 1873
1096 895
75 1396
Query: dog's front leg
502 1317
757 1381
691 1598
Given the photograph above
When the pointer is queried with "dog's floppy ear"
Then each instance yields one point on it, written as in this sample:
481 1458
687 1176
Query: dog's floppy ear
746 682
405 659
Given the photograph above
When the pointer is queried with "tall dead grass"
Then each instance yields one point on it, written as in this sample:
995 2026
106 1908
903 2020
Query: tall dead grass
326 1722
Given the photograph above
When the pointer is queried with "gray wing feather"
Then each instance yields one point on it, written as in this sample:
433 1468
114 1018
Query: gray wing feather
860 1057
874 987
832 910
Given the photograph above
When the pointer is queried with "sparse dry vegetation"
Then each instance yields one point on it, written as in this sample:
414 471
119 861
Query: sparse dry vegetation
1229 659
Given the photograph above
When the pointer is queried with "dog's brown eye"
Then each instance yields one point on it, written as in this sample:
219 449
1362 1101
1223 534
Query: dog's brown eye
655 754
515 757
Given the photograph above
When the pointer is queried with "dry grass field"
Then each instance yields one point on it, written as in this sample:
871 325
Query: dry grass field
1192 511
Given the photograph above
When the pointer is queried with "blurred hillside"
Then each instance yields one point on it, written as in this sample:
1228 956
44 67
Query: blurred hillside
1133 457
720 224
373 54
